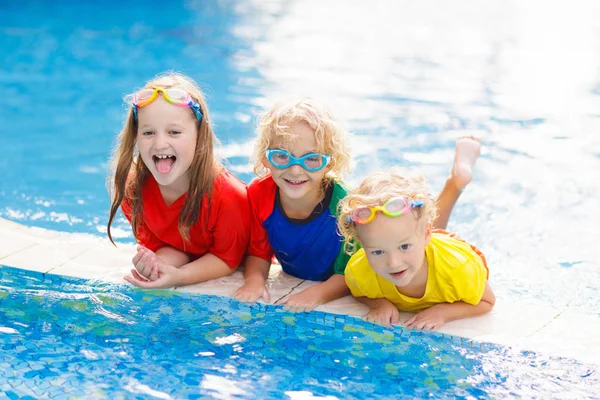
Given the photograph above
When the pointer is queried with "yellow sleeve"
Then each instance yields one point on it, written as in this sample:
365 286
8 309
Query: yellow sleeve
469 281
360 277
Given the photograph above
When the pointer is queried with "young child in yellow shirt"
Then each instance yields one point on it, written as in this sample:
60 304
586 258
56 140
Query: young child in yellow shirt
405 264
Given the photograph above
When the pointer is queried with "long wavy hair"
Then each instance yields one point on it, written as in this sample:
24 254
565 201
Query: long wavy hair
128 172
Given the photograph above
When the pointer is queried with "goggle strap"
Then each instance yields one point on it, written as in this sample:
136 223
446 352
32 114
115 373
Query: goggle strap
416 203
194 106
196 109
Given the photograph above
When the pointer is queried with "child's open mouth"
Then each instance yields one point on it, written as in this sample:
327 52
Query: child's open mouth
164 163
294 183
398 275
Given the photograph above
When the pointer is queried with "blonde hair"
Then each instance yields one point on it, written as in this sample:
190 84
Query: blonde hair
278 122
128 172
378 188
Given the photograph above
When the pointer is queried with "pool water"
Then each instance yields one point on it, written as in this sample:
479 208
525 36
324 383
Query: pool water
67 338
408 79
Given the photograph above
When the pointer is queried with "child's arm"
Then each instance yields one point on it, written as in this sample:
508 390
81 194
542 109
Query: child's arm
437 315
255 276
324 292
382 311
203 269
171 256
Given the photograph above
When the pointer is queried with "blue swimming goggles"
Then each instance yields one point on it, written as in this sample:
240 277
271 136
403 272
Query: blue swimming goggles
312 162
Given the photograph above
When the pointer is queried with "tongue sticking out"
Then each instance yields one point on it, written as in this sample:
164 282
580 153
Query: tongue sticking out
163 165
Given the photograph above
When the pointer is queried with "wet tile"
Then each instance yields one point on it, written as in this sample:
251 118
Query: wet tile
90 270
281 284
569 335
17 230
9 226
44 257
347 305
10 245
39 233
224 286
506 323
104 253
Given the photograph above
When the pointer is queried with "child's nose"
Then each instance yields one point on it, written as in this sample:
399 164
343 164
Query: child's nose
161 141
296 169
394 260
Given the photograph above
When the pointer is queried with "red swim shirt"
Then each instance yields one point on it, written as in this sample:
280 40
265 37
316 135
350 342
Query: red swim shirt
223 230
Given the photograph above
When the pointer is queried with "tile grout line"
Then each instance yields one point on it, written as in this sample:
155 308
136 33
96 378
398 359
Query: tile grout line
67 261
551 321
20 250
288 293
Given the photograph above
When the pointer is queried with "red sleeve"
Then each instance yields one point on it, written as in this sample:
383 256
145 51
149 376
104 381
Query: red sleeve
232 226
145 237
261 194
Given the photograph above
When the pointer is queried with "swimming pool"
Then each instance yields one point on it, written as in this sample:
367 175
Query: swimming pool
411 79
459 67
65 337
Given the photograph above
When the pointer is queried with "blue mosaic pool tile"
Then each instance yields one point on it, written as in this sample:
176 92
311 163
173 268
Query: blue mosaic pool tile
97 339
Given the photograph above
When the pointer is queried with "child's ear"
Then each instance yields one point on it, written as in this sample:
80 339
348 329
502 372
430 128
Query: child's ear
428 231
265 163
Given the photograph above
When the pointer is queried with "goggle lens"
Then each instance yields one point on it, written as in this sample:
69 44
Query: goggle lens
361 214
283 159
394 207
280 158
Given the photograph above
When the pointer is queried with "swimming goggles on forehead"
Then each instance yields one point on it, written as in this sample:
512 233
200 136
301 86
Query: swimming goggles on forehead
175 96
394 207
312 162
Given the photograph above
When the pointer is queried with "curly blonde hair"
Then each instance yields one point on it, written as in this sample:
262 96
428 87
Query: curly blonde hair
277 123
378 188
128 173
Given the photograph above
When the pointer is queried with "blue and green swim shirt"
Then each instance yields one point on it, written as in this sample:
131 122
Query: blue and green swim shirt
310 248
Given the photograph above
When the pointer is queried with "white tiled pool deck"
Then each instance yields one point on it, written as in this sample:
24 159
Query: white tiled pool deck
559 332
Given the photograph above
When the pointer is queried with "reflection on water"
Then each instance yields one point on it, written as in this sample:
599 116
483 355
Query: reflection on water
407 77
62 336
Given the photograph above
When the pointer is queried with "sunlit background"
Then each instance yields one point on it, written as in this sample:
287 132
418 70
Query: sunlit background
406 77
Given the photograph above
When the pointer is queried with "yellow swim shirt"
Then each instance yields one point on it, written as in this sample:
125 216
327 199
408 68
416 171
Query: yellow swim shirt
457 271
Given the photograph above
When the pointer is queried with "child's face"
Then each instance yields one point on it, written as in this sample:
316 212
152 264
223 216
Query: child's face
395 247
166 140
295 182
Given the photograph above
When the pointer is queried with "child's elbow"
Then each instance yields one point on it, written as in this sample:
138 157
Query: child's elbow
489 298
490 304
